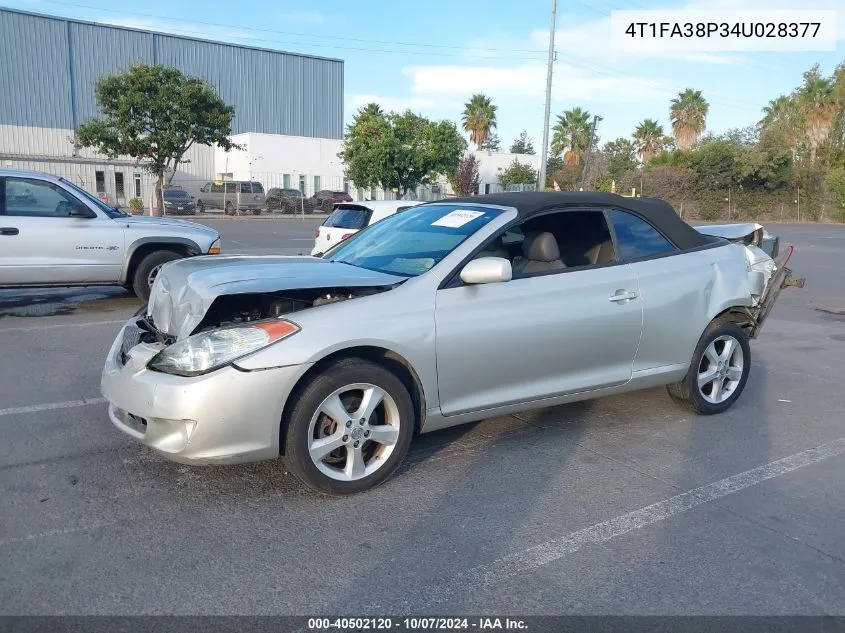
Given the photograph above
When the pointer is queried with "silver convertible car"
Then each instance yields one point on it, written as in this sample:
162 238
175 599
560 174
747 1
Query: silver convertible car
450 312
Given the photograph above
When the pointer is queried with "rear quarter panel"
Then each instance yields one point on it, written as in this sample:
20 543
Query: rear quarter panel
681 294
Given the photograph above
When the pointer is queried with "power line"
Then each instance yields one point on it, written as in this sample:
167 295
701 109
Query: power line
292 33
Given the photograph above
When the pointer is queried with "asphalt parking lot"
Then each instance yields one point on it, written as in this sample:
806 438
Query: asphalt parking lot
625 505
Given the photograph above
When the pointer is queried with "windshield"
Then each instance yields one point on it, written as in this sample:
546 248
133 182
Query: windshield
176 193
348 218
112 212
413 242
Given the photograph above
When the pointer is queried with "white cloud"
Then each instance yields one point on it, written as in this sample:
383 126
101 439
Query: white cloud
528 81
395 104
303 18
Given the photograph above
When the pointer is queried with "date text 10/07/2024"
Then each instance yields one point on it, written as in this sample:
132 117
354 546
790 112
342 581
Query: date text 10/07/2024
417 624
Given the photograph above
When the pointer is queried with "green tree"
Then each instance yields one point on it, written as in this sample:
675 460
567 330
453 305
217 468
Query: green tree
372 108
817 101
622 157
783 122
465 178
479 118
836 182
155 114
688 115
492 144
649 139
571 135
399 151
517 174
522 144
716 165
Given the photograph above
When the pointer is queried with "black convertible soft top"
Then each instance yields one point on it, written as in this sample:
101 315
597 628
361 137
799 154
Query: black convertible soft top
657 212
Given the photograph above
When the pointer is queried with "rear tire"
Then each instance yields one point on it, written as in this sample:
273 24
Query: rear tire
718 371
146 271
343 470
200 206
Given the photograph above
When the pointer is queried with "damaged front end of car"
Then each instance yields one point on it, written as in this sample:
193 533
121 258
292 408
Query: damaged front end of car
766 264
204 315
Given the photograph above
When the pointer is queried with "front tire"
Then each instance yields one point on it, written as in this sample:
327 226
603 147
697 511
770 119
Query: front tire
718 371
200 206
145 273
349 429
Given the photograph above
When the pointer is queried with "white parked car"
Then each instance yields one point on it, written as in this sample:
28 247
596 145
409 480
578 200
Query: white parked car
350 217
52 233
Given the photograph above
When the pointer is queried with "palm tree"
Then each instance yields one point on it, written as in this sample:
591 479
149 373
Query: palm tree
649 139
571 135
479 118
688 113
783 116
818 105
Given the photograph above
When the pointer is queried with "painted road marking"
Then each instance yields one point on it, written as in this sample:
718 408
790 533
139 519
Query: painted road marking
53 405
555 549
56 325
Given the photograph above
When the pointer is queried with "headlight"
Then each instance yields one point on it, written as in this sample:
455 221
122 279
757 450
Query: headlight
214 249
206 351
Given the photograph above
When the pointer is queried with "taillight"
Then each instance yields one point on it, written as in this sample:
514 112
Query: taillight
345 235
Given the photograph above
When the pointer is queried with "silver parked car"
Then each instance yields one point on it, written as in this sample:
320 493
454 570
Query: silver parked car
52 233
447 313
232 196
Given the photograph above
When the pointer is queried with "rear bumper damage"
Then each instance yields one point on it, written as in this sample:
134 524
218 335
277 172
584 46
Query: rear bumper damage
781 278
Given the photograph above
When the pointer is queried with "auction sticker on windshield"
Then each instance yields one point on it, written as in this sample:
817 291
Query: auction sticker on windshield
457 218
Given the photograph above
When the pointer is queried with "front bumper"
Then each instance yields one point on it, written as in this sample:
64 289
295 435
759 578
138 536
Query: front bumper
224 417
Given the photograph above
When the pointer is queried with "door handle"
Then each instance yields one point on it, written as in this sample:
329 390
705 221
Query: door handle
9 230
623 295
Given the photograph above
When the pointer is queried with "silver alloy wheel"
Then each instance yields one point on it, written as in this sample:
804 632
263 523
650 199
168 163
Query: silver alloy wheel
353 432
153 274
720 369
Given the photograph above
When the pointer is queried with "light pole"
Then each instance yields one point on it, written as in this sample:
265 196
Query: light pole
596 119
545 148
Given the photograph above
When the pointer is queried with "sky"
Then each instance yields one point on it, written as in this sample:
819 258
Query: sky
431 56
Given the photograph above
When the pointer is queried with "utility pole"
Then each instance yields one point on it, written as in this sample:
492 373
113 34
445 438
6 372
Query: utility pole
544 152
596 119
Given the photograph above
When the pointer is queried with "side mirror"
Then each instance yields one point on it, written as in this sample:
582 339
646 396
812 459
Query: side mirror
80 211
487 270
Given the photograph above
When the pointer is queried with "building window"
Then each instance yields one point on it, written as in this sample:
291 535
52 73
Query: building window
118 184
137 185
486 188
345 186
286 181
100 179
316 183
302 183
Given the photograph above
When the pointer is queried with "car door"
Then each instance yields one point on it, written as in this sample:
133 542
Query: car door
543 335
40 243
674 289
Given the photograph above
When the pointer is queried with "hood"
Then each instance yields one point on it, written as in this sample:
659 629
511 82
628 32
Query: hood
185 289
150 221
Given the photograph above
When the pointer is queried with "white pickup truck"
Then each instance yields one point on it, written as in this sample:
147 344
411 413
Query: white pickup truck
52 233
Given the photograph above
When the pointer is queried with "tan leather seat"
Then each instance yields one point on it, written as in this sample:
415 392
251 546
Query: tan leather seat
540 253
601 253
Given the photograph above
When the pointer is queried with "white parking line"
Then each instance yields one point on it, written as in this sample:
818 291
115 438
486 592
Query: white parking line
550 551
27 328
34 408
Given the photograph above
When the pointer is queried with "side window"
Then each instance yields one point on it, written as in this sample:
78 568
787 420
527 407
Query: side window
204 189
215 188
35 198
636 238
